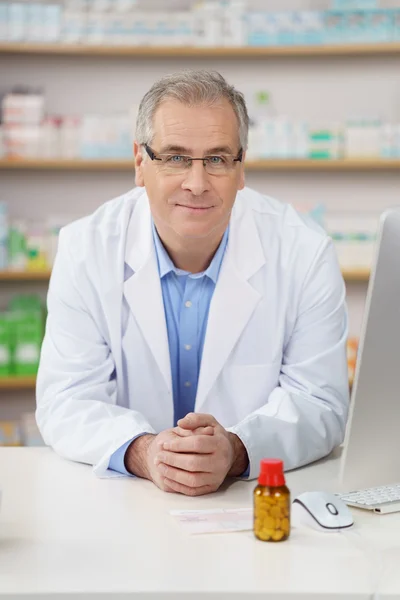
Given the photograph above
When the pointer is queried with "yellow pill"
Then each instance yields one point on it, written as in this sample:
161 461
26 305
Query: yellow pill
268 532
285 525
262 535
275 512
269 523
269 500
277 535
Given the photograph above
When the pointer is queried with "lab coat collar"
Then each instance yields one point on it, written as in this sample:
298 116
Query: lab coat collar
142 289
243 247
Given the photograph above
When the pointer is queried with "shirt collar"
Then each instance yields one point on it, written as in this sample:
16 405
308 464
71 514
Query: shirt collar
165 264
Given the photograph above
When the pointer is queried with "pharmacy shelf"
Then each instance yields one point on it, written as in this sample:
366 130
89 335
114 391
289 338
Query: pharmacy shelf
24 275
255 165
201 52
68 165
29 383
17 382
348 275
324 165
352 275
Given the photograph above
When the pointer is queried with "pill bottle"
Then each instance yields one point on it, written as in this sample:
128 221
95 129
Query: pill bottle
271 503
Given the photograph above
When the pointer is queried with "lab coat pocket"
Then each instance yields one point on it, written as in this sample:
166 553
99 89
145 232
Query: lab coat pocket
249 386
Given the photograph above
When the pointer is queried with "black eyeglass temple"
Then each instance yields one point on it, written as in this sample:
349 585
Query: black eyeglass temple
149 152
240 156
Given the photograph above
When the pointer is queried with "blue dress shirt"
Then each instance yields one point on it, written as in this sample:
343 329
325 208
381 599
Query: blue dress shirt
187 298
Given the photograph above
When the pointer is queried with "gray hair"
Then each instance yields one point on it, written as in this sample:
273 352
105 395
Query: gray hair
191 87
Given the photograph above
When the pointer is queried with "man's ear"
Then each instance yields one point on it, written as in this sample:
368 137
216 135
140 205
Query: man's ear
137 152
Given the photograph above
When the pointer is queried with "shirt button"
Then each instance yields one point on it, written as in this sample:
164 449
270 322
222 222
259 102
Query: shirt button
187 384
188 347
188 304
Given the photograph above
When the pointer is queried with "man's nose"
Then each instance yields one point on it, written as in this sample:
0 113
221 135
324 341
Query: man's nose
196 179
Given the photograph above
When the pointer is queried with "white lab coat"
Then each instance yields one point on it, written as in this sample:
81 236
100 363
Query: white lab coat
274 367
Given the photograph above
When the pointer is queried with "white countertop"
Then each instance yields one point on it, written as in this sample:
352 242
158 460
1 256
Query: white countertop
64 531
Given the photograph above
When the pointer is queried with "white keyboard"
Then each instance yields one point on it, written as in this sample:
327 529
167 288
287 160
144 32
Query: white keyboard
382 499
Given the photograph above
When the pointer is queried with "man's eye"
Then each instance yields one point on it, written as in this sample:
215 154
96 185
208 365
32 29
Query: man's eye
216 160
176 158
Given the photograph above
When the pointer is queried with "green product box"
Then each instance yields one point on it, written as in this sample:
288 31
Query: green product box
5 346
16 247
28 335
25 302
320 155
26 332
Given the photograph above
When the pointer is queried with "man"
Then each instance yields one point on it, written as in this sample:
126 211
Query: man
194 326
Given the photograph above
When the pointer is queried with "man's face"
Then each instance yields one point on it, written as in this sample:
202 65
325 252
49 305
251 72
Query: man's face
193 203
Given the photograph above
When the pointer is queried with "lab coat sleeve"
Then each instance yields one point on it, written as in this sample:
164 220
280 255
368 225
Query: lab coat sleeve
76 393
305 416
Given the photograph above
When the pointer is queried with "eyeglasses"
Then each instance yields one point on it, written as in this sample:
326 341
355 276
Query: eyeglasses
221 164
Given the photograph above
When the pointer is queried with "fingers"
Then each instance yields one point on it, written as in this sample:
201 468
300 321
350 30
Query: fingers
195 420
165 487
195 444
188 432
194 463
187 491
186 478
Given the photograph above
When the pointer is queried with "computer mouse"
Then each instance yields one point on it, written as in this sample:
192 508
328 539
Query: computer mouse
322 511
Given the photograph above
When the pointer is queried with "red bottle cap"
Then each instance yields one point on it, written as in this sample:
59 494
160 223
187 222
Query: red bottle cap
271 472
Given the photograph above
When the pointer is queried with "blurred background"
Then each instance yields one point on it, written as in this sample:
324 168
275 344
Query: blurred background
322 83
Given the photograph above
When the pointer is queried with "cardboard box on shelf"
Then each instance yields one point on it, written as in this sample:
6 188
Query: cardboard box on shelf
352 349
10 433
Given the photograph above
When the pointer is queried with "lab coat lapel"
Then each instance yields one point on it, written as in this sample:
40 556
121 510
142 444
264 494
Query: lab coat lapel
142 289
234 299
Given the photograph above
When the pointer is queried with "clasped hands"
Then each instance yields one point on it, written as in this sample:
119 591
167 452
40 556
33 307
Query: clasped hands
193 458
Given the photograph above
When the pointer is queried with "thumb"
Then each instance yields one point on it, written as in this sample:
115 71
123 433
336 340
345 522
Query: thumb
196 420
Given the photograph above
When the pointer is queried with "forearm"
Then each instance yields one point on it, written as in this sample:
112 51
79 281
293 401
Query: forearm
136 457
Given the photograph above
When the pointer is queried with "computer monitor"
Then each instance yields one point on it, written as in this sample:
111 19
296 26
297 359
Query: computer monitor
371 455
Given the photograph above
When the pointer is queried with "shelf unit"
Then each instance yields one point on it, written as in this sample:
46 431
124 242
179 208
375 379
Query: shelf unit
348 275
26 276
252 165
17 382
354 275
161 52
